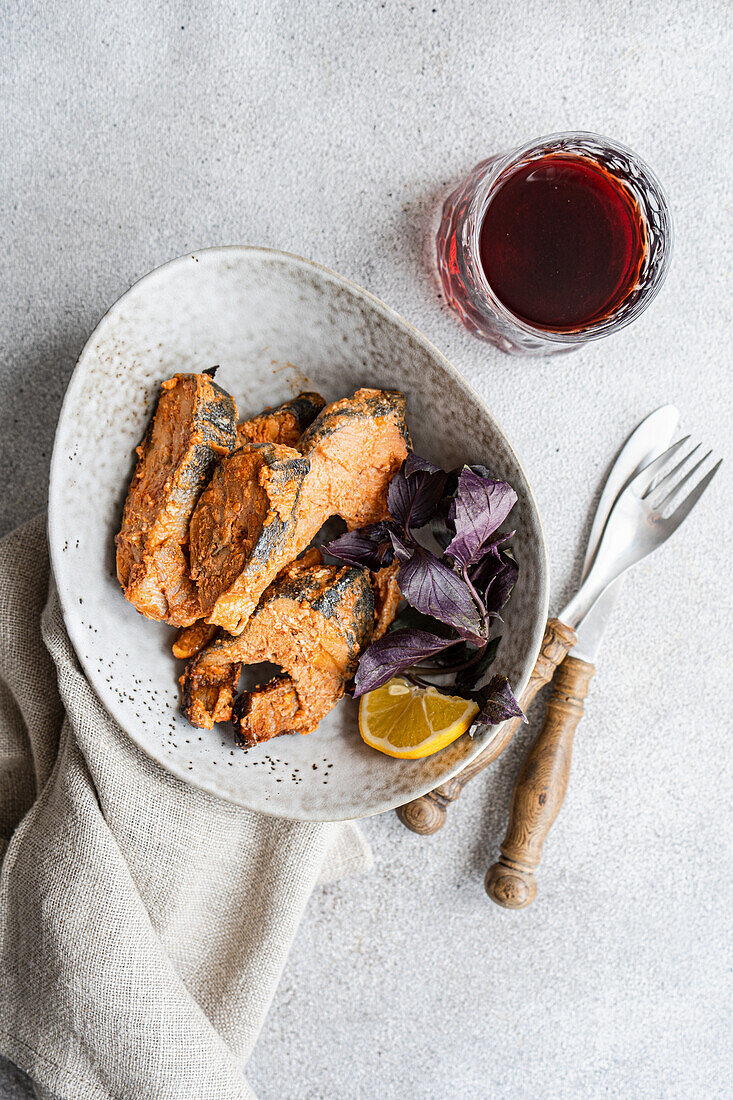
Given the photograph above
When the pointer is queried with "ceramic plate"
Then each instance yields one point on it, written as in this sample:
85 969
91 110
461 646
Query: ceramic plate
275 324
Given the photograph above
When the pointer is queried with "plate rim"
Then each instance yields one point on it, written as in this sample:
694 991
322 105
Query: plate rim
274 254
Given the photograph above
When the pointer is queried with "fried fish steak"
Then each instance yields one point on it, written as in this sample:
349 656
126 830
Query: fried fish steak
246 527
193 426
282 424
355 447
313 622
275 708
266 502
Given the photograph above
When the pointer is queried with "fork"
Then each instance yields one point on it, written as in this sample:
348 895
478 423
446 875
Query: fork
637 525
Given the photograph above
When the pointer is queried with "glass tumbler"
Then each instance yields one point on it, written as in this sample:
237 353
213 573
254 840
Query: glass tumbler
569 205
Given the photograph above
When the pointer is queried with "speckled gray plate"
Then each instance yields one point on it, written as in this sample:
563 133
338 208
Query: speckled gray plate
275 324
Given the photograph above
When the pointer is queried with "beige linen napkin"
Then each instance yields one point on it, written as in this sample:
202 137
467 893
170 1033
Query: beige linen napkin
143 924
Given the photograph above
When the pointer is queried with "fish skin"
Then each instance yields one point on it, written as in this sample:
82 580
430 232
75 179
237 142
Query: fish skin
194 423
283 423
313 622
344 464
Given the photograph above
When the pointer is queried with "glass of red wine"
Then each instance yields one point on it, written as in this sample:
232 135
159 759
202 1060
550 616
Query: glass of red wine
561 241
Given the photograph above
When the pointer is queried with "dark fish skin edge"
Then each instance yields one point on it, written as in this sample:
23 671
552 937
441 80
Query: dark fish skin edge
200 467
238 712
384 403
271 535
329 604
221 412
330 601
305 408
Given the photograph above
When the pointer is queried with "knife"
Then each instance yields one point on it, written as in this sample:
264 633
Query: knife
426 814
540 788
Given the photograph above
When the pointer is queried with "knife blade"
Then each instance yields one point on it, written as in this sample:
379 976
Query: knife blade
648 440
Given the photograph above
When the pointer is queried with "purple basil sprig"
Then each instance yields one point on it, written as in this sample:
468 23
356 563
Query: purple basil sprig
394 653
463 590
414 492
496 702
480 506
370 546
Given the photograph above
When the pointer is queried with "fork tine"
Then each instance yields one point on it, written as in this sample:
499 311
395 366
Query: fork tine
641 481
666 478
683 481
684 509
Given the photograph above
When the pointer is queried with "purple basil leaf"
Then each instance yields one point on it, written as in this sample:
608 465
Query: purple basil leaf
413 464
467 677
500 588
394 653
482 471
370 546
480 506
485 569
436 590
494 577
404 546
441 525
497 703
414 491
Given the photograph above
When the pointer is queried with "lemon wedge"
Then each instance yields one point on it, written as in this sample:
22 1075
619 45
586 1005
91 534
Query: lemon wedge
406 721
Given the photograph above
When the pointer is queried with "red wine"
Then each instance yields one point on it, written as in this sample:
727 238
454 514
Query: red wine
562 242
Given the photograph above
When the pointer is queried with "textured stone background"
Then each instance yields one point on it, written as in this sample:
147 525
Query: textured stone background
134 132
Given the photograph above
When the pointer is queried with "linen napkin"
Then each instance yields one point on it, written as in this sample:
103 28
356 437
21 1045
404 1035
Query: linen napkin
144 924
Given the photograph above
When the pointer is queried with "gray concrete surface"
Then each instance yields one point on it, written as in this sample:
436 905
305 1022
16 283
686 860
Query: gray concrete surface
136 132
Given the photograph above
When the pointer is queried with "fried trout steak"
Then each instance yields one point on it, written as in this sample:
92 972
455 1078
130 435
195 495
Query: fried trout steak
193 426
313 622
266 502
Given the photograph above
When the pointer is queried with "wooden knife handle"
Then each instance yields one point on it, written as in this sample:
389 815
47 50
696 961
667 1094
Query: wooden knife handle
425 815
540 789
